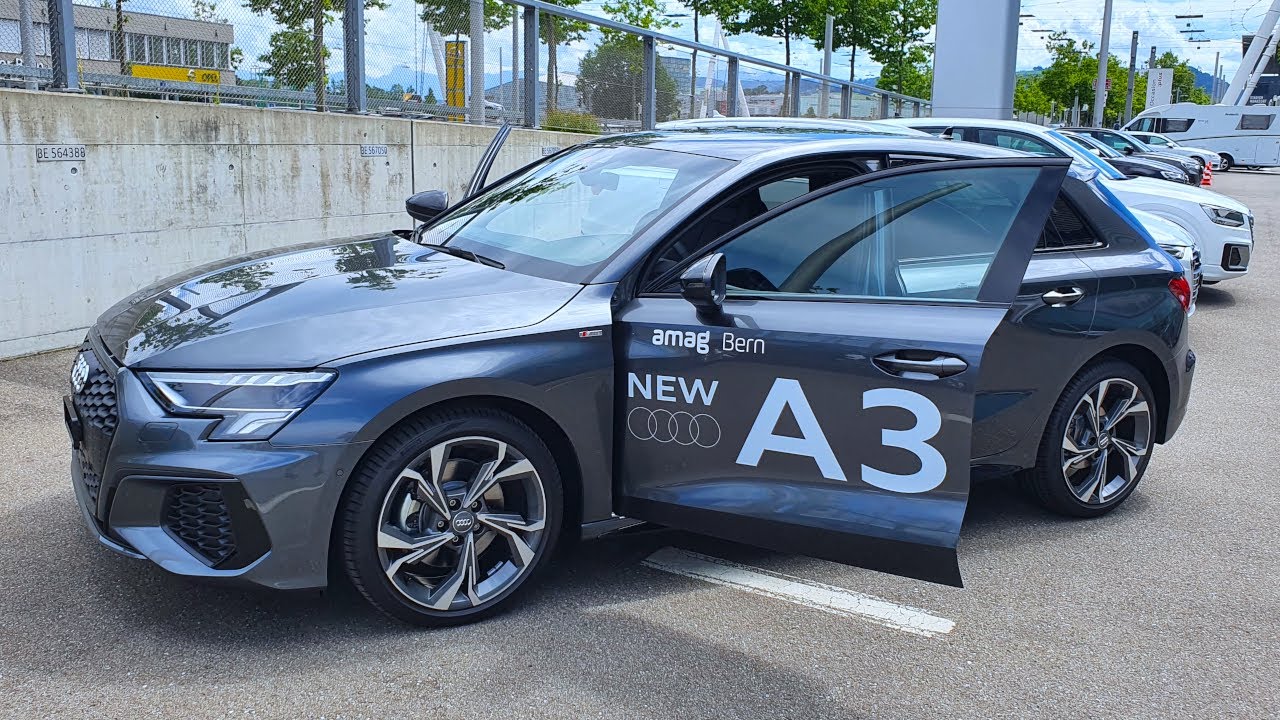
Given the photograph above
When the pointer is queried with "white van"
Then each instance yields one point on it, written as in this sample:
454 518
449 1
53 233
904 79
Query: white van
1246 136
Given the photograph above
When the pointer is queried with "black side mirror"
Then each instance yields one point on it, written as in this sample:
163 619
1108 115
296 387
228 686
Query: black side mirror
1128 150
704 285
427 206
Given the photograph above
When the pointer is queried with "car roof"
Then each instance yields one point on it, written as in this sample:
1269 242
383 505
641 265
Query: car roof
966 122
787 141
771 123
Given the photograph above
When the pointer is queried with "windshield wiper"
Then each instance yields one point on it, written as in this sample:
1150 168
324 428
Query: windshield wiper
465 255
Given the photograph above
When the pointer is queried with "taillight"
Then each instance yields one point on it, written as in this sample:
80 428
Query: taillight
1181 290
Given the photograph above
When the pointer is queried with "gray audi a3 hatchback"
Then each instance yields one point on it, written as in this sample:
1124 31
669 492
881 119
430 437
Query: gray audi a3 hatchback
808 341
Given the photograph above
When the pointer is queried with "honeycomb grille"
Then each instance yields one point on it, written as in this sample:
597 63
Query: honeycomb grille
91 479
197 515
96 400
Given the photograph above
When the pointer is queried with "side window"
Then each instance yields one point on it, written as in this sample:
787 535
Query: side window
1145 125
928 235
1115 141
1255 122
1066 229
1018 141
1175 125
746 206
1155 140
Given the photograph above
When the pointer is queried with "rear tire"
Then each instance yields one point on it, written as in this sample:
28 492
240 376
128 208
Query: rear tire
1086 468
450 516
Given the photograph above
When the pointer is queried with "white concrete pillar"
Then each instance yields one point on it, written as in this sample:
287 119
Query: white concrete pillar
975 56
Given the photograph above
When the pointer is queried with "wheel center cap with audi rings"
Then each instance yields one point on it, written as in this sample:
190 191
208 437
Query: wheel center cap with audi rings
1103 441
463 522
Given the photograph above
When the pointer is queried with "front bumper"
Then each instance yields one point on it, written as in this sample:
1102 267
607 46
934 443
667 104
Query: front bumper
153 488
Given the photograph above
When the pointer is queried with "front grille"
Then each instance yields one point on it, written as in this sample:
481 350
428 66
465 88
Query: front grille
1195 260
95 401
197 515
91 479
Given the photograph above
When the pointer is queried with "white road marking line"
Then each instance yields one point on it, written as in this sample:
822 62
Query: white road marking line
832 599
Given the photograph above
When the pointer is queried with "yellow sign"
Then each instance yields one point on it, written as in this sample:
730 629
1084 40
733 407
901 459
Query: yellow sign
179 74
455 71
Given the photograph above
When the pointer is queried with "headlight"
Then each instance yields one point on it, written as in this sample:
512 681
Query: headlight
252 405
1173 175
1178 251
1224 216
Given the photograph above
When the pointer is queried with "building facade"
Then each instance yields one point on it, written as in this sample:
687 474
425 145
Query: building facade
155 46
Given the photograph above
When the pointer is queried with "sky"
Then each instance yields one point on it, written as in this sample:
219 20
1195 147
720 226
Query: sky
395 45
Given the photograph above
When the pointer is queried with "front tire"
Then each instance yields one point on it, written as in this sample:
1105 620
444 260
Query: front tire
1228 162
1097 443
450 516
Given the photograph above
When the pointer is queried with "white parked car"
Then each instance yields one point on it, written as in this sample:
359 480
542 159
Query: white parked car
1177 242
1167 144
1222 227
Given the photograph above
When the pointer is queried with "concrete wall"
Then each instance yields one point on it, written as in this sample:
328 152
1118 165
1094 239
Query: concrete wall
167 186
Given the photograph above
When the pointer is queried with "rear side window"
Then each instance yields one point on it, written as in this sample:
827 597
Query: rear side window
1066 229
1174 125
1255 122
1145 125
1018 141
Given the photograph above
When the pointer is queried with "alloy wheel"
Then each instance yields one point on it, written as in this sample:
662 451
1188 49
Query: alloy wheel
461 523
1106 441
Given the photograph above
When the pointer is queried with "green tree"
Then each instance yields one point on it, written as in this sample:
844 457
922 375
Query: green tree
1184 80
453 17
900 48
430 99
555 30
611 80
1029 97
771 18
289 58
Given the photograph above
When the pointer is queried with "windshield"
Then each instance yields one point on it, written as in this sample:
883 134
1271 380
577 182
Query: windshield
562 218
1078 153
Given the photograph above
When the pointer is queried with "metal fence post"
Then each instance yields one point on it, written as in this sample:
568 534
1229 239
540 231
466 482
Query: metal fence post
353 56
731 89
62 47
794 100
475 84
649 106
915 109
27 38
532 91
884 106
846 102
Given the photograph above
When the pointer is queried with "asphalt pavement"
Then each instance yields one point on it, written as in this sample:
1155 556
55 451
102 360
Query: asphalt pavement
1167 608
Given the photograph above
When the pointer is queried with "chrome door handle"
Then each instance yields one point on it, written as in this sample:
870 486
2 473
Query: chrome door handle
939 366
1062 297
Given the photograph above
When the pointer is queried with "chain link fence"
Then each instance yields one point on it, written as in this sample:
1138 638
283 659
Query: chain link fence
414 58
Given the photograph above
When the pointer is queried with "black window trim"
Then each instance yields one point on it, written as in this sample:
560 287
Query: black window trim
1019 225
1098 243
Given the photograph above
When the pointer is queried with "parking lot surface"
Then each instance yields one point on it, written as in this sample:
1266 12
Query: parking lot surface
1168 607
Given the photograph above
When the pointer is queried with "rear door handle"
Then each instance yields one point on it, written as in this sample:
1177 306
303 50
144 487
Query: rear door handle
939 366
1062 297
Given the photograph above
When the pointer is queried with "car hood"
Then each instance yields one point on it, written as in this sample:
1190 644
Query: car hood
1164 232
1148 162
302 306
1177 192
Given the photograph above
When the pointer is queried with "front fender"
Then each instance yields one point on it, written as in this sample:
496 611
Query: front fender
566 377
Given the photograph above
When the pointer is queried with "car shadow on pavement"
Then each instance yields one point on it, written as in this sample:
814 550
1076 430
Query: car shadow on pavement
1212 298
88 616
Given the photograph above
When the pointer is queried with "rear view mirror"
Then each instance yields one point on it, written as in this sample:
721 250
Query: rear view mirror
426 206
704 285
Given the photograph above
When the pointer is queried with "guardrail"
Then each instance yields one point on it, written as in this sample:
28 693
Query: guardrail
721 72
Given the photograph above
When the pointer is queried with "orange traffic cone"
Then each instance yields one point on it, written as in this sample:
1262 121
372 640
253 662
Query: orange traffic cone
1207 180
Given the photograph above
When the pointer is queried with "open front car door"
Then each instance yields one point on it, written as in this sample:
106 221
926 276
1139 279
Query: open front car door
825 406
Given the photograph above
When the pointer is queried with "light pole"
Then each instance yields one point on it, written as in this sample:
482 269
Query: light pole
1100 92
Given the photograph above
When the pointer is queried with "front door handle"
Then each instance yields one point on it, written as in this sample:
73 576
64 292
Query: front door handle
1062 297
938 366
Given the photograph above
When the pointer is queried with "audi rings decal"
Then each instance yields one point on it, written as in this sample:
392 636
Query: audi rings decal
680 427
